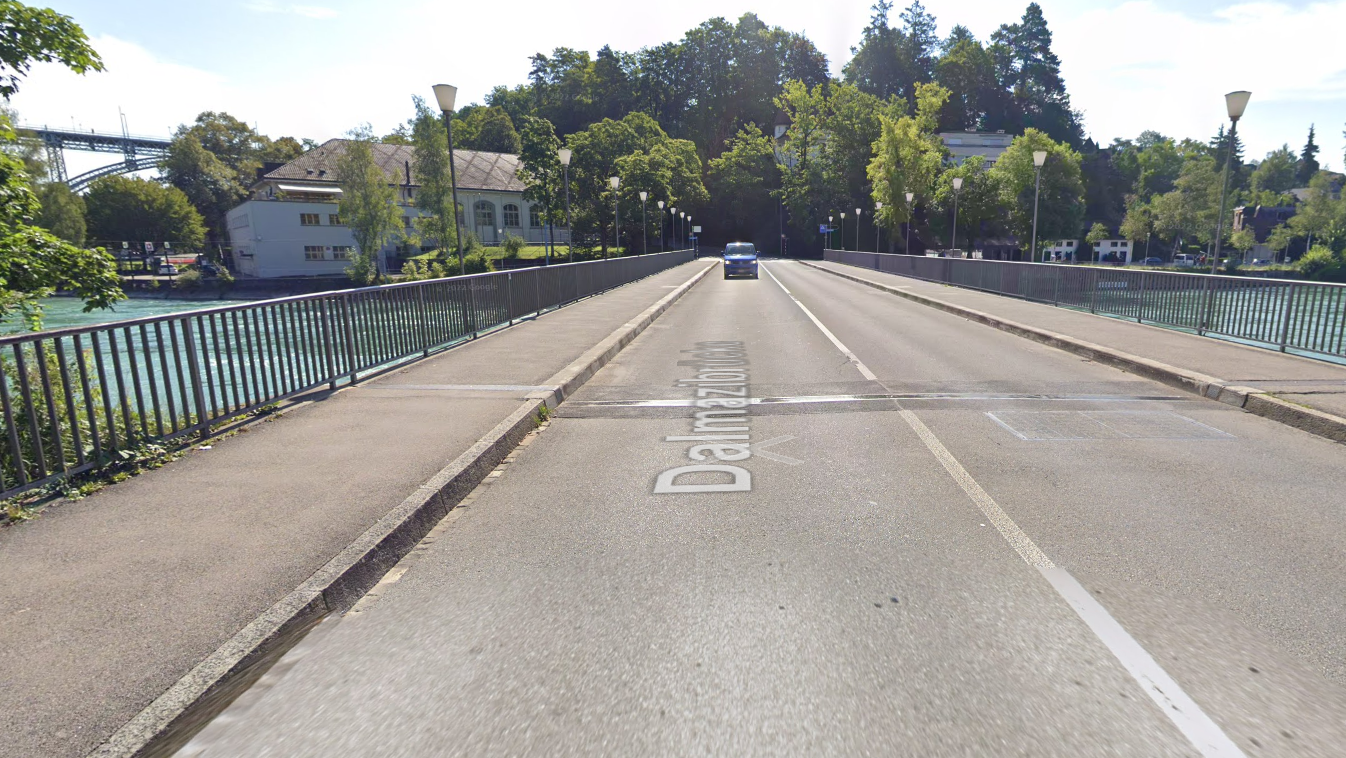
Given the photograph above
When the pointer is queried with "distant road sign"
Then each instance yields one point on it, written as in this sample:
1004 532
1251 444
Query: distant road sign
696 230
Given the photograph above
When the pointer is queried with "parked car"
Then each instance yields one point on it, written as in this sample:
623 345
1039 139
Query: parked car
208 269
1261 262
1183 260
1152 262
167 269
740 259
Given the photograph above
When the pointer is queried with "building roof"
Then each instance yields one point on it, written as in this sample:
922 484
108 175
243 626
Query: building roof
476 169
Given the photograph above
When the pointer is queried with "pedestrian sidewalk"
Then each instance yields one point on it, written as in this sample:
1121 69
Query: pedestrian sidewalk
1246 376
109 602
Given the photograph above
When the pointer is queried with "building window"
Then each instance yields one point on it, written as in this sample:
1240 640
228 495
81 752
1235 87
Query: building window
1114 243
334 219
313 253
309 219
512 215
341 252
406 221
535 216
485 214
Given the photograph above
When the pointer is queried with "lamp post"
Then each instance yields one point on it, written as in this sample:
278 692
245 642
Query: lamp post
1235 103
682 229
1039 158
564 155
616 181
445 94
829 231
910 196
660 203
644 224
691 239
878 228
843 230
953 234
857 229
673 224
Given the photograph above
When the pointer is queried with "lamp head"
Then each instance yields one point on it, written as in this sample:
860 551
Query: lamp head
857 211
957 183
878 206
843 214
564 155
1039 157
445 94
1236 102
660 204
643 195
615 181
910 196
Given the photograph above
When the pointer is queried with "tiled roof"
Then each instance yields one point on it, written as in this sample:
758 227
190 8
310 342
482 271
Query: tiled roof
476 169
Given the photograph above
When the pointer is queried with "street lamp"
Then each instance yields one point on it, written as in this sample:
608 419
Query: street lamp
616 181
843 230
953 235
682 228
857 229
878 228
445 94
691 239
644 224
1039 158
673 224
910 196
564 155
829 231
1235 103
661 225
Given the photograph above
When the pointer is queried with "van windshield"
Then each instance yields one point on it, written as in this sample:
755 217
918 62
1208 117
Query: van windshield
740 248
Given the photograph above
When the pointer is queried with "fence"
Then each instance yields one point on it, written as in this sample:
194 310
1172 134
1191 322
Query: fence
1299 317
76 398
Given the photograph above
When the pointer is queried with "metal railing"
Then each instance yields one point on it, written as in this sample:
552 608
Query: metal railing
1291 316
77 398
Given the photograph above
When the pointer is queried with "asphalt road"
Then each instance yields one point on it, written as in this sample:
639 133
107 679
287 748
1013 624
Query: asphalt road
944 540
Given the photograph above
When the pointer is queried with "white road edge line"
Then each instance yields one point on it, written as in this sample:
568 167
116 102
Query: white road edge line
1202 732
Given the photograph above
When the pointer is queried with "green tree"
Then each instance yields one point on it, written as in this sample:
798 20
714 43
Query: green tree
743 179
1061 200
1308 160
34 263
39 35
1279 241
852 122
62 212
802 188
1276 173
1097 233
368 204
212 187
136 210
434 197
541 170
978 200
1027 67
488 129
908 156
1321 217
1138 224
281 150
1190 209
967 70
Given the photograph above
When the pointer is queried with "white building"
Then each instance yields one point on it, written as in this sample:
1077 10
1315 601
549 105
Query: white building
289 225
1113 251
1060 250
989 145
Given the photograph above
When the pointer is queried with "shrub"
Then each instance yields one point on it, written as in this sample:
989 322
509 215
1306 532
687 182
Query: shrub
188 280
512 245
1322 265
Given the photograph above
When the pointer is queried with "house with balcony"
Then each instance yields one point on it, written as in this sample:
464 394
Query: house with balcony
965 144
290 224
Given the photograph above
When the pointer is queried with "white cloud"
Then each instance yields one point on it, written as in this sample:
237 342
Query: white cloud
1142 65
307 11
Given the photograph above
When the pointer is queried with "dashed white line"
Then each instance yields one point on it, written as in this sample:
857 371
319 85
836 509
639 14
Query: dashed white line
1202 732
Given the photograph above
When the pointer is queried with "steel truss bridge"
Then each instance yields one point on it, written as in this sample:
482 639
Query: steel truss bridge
138 152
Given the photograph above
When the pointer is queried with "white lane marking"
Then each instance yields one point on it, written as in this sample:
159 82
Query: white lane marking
1203 733
462 387
864 370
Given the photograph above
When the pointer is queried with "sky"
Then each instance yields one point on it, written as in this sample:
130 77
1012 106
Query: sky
318 68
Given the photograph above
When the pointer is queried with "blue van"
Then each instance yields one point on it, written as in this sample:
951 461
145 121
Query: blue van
740 259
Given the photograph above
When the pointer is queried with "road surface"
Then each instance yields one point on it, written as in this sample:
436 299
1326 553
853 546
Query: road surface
936 539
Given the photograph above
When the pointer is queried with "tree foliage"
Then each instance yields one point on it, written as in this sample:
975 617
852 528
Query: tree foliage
139 210
1061 202
39 35
488 129
978 200
743 178
434 197
368 204
907 157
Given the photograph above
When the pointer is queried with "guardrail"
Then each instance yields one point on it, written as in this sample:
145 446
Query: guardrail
77 398
1291 316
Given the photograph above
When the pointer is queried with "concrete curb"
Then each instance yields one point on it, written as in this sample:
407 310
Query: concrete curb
1250 399
168 723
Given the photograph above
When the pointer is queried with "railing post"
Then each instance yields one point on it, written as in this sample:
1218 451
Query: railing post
509 296
194 370
1056 285
472 307
1093 291
1289 313
424 321
1206 306
1140 309
347 326
331 349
